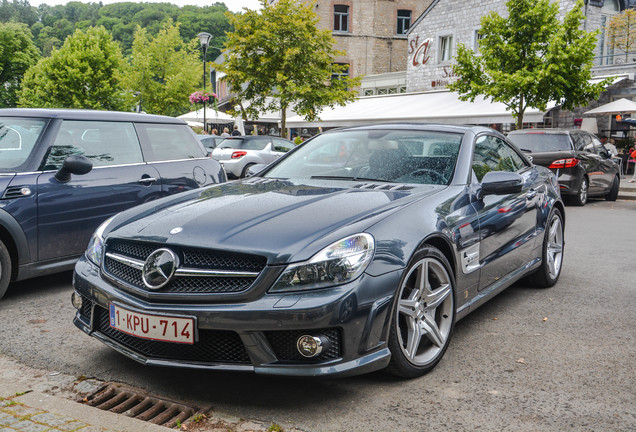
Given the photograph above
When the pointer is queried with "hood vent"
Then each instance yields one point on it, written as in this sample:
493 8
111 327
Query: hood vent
16 192
383 187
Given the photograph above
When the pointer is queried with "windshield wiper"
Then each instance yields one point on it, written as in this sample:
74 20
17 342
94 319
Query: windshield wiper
350 178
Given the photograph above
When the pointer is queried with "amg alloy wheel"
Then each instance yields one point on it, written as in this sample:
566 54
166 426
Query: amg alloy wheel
552 256
424 315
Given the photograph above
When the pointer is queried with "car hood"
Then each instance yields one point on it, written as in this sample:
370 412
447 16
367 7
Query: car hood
285 221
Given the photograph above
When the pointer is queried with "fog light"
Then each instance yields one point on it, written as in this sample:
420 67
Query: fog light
312 346
76 300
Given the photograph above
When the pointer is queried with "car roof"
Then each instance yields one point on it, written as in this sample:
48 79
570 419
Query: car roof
545 131
84 114
419 126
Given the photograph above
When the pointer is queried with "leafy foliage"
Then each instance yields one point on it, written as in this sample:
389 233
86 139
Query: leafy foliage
84 73
279 58
164 70
51 25
529 59
622 32
17 54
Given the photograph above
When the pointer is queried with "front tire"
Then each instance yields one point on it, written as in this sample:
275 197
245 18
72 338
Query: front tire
5 269
424 315
552 256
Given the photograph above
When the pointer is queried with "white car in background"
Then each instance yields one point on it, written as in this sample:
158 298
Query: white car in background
238 153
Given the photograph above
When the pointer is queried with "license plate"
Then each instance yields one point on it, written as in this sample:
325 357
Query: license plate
154 327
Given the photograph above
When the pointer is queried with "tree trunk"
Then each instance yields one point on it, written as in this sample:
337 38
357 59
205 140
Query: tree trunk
283 122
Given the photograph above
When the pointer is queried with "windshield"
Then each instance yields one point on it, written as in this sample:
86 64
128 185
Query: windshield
402 156
541 142
17 139
244 144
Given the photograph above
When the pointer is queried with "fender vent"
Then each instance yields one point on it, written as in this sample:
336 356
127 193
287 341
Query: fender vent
124 400
16 192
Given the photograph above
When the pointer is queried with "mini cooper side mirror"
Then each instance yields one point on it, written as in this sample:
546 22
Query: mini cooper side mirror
73 164
501 183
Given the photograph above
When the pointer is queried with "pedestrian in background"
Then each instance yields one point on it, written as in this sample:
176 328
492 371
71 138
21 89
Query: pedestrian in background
226 132
236 132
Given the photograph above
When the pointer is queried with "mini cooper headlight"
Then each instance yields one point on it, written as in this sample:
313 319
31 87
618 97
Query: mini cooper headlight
340 262
96 243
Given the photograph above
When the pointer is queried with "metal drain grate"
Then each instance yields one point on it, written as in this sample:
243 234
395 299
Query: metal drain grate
123 400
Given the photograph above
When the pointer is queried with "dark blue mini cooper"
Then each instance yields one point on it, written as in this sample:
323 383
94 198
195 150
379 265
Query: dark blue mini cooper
356 251
63 172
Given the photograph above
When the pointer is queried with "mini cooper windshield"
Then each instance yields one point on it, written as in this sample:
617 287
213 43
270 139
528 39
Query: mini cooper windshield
420 157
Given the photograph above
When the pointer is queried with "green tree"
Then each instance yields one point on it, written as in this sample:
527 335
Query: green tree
17 55
85 73
529 59
622 32
278 58
164 71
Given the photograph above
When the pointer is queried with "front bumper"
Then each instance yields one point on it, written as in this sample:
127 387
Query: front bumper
258 335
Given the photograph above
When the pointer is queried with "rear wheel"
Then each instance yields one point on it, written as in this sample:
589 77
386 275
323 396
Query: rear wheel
424 315
613 193
5 269
246 169
552 255
581 196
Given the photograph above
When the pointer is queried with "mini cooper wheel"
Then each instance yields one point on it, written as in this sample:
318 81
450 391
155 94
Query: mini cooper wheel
424 315
552 256
5 269
581 196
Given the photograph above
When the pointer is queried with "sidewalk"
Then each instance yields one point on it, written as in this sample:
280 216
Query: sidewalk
28 405
627 190
35 400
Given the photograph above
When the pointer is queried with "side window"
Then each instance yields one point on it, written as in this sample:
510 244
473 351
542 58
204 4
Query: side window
282 146
104 143
579 142
597 146
166 142
494 154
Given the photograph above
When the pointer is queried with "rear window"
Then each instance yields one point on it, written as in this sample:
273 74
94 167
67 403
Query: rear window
244 144
17 139
170 142
541 142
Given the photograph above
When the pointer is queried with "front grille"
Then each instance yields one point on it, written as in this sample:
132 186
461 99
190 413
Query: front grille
213 346
284 344
192 258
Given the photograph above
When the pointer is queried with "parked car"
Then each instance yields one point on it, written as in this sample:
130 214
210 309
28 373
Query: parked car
583 165
63 172
314 269
210 141
238 153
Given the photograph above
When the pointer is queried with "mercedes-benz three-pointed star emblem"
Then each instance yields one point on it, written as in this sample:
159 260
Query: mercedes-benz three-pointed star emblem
159 268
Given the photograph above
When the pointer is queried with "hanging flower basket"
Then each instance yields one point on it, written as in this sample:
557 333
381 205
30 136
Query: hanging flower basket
202 97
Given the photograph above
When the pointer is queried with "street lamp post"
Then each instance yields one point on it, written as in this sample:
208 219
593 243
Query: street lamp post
204 38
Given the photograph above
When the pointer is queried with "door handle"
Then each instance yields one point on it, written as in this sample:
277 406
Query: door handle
147 180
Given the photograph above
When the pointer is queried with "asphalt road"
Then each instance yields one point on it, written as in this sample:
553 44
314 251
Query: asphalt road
530 360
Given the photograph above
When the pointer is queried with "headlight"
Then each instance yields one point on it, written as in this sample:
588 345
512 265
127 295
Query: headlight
96 244
339 263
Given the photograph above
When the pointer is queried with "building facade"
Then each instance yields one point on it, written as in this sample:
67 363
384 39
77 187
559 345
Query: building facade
434 36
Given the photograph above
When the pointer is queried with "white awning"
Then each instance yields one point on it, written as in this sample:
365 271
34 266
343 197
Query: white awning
211 116
438 106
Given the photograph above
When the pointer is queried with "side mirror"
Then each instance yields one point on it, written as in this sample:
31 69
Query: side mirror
501 183
255 169
73 164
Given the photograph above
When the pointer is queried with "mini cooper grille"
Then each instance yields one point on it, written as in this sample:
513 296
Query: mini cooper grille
284 344
213 346
191 258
